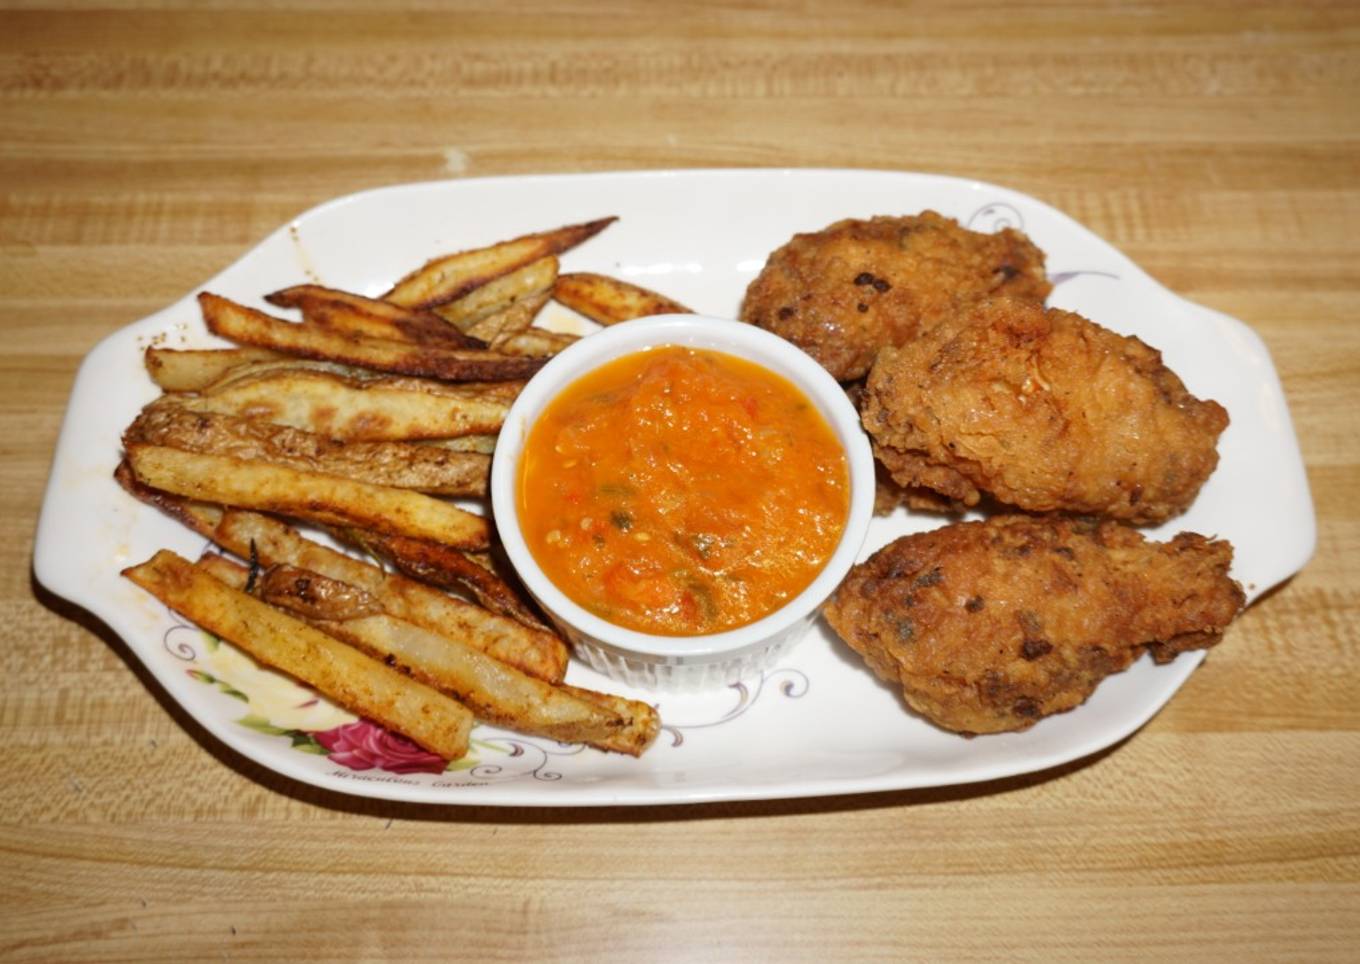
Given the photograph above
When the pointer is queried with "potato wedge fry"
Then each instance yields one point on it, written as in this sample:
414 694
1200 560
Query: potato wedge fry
534 279
494 692
347 313
452 276
504 391
497 693
190 370
325 499
528 646
201 517
645 730
609 301
339 672
402 465
287 363
486 444
348 409
532 649
444 567
248 326
536 343
511 320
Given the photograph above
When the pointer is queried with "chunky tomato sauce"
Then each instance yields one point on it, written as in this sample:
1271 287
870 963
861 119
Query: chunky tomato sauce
682 492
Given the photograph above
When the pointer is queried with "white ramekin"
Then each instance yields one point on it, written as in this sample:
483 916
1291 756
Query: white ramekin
682 662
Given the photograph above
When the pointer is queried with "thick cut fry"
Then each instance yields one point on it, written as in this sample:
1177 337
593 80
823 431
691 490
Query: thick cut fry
497 693
286 363
324 499
536 343
452 276
494 297
531 649
349 409
486 444
201 517
402 465
511 321
494 692
444 567
248 326
609 301
506 391
191 370
347 313
339 672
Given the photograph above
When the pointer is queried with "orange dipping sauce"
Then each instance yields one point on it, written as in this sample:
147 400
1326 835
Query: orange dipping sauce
682 492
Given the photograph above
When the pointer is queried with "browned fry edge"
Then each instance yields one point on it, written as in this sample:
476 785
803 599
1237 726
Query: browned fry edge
228 319
555 242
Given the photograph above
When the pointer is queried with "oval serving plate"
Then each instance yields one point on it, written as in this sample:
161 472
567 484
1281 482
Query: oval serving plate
817 724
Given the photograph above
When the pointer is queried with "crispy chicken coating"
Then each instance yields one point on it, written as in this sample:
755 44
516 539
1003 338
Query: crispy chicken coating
1044 410
990 626
844 292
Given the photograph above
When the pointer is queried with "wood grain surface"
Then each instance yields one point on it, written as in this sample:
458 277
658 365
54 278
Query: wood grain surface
143 147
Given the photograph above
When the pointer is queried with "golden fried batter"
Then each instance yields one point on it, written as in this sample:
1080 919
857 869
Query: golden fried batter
989 626
1044 410
857 286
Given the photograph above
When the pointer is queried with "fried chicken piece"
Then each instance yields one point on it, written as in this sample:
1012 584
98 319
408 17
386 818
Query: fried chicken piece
888 494
990 626
857 286
1043 409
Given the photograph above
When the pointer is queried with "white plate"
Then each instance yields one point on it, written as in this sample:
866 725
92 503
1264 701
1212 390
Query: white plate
820 723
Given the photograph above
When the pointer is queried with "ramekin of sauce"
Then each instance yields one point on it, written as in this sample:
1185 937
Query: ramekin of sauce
681 494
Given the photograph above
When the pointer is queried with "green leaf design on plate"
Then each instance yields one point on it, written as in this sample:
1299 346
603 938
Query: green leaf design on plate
260 725
304 741
222 685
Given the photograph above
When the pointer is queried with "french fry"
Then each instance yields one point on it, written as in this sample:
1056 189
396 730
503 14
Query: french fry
445 567
403 465
339 672
350 409
485 444
506 391
494 692
534 279
646 730
287 363
201 517
536 343
324 499
248 326
510 321
445 279
529 648
609 301
189 370
347 313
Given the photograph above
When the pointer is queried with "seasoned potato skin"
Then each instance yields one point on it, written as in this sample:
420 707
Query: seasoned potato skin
1044 410
991 626
846 291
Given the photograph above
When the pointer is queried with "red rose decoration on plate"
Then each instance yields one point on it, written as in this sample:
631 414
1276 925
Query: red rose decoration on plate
363 745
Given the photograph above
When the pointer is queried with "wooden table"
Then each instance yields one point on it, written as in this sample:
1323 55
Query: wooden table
142 150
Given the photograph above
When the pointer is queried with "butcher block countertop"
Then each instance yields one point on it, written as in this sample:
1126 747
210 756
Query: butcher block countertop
145 148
